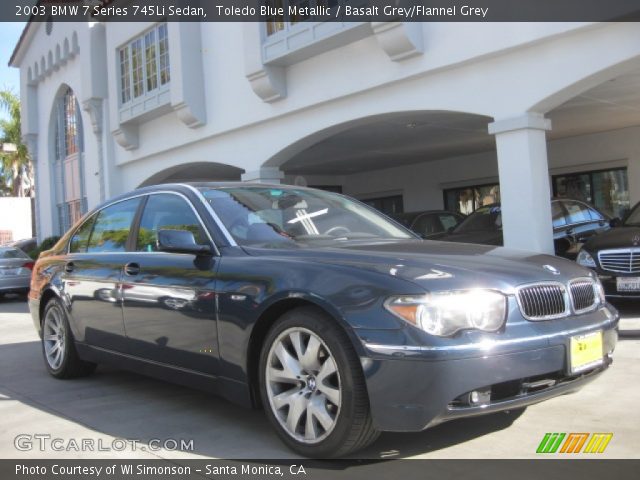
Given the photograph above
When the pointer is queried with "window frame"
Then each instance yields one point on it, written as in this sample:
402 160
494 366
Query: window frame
135 223
135 229
160 87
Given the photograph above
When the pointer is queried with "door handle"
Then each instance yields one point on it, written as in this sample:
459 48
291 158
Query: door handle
132 269
69 266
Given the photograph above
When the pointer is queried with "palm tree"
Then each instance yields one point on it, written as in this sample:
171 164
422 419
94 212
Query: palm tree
15 165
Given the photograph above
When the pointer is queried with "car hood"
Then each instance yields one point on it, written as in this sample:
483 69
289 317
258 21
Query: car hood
482 237
619 237
438 265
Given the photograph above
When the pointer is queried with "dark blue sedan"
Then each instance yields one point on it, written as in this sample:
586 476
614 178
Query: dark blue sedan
339 322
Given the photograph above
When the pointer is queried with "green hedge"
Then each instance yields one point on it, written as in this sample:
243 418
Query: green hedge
46 244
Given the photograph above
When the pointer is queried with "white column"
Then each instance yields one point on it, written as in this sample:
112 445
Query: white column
264 175
524 182
633 176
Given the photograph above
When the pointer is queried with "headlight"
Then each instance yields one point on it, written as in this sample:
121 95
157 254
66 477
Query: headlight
446 313
585 259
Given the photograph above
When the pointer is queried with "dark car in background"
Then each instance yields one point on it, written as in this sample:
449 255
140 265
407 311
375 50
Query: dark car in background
574 222
430 223
615 256
337 321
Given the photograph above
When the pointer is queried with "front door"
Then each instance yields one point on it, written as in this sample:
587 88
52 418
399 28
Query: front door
169 298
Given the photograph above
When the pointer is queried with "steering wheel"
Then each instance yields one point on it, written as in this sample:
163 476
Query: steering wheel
338 228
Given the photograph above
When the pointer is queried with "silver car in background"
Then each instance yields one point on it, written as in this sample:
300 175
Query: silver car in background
15 270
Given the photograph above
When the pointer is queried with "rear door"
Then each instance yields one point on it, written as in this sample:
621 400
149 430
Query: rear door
92 273
169 298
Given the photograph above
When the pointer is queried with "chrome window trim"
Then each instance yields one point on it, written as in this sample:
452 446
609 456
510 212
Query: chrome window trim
565 294
632 251
596 300
138 195
213 214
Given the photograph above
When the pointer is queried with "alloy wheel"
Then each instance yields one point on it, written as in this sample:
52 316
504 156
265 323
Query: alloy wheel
303 385
54 338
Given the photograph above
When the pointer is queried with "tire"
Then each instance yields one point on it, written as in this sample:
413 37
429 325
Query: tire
317 403
56 331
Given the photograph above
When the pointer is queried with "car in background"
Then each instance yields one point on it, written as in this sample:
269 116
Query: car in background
430 223
15 271
337 321
574 222
615 256
27 245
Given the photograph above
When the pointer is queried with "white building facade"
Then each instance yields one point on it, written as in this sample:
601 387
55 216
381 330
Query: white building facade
405 116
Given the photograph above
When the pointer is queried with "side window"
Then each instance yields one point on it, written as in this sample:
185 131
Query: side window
595 215
448 221
80 240
578 213
111 229
427 224
167 212
558 215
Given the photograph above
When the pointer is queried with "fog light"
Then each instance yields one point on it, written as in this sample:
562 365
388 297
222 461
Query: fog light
480 397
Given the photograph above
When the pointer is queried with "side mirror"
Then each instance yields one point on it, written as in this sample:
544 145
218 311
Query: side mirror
615 222
180 241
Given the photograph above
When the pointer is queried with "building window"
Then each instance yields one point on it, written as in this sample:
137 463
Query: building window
467 199
391 205
71 202
295 11
608 190
144 64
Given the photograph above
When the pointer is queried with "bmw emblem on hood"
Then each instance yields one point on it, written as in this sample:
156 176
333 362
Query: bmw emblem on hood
636 240
552 269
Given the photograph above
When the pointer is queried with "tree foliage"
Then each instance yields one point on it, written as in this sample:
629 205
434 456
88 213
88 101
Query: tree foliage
15 167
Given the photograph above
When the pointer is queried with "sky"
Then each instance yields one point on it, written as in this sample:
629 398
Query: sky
9 76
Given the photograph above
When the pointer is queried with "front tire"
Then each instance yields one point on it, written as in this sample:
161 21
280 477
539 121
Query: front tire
58 348
312 386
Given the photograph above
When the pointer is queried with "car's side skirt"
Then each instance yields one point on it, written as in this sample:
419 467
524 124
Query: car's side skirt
233 390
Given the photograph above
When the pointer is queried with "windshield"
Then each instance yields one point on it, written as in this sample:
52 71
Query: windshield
633 220
484 219
268 215
12 253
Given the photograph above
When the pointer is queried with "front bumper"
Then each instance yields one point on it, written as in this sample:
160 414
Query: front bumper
413 388
609 282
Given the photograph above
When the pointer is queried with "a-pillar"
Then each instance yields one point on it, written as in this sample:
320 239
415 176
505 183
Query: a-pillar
524 182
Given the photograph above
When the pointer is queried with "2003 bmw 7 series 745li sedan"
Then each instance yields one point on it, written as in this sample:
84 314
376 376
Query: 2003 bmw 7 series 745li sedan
339 322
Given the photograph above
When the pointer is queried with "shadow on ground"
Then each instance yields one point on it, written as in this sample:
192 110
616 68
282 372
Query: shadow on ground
130 406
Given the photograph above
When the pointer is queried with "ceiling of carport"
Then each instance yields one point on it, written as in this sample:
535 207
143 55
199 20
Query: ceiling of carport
417 137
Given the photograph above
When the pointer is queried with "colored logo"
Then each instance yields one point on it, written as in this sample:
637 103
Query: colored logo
574 442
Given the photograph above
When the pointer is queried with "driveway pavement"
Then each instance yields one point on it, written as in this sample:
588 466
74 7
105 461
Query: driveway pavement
112 407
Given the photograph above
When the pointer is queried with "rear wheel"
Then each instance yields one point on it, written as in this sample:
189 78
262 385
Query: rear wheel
60 355
312 386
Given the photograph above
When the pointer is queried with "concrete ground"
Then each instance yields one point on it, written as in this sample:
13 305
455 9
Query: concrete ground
113 405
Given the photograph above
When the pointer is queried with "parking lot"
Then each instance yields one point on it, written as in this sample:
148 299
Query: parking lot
111 406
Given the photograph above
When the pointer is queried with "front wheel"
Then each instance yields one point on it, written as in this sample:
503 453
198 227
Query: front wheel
312 386
59 351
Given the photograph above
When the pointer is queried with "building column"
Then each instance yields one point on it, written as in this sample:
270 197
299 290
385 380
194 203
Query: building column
263 175
524 182
633 177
